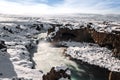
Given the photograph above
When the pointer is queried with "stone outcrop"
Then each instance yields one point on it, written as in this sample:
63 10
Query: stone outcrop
37 26
88 34
66 34
57 74
114 76
3 45
106 39
111 40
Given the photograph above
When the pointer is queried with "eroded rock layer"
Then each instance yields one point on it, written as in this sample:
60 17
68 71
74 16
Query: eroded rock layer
87 33
104 36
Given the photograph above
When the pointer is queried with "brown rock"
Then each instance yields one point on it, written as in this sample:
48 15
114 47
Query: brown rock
89 34
56 75
65 34
107 39
114 76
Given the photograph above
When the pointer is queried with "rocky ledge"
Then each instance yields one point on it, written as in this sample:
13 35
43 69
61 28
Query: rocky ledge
3 45
58 73
105 35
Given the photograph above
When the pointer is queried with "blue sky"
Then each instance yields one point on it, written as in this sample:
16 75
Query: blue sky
48 2
41 7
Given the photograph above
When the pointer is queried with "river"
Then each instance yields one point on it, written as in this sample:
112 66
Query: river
48 56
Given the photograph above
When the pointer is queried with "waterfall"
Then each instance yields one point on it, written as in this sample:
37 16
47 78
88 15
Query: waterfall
48 56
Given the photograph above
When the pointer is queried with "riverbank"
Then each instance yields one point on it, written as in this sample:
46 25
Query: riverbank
49 55
29 54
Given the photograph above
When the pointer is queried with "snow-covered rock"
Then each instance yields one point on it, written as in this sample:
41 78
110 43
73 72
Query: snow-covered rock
58 73
19 34
93 54
16 62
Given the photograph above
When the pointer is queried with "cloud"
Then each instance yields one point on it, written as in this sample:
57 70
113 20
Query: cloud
41 7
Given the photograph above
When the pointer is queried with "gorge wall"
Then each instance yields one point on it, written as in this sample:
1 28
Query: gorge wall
89 33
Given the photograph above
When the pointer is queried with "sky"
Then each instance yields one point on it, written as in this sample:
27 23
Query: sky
52 7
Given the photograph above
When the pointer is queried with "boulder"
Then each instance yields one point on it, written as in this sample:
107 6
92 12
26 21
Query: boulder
56 74
3 45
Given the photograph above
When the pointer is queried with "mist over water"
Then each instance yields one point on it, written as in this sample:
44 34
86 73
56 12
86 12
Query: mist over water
48 56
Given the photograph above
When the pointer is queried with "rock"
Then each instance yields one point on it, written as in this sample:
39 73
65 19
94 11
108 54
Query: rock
9 30
65 34
1 74
15 78
3 45
37 26
57 74
88 34
107 39
114 76
56 25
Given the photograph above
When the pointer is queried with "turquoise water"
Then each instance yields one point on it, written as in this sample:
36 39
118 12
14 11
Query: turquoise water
48 56
88 72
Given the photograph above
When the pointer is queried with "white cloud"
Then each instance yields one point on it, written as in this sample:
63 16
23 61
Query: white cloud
28 7
17 8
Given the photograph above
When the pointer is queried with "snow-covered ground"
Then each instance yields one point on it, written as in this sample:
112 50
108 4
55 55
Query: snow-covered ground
92 54
16 62
20 36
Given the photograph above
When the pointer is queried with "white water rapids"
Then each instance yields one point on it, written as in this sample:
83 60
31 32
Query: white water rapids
48 56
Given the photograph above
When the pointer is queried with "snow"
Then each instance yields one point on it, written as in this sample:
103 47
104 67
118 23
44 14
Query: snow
6 68
64 79
58 68
52 34
68 72
93 54
20 36
16 62
46 26
106 28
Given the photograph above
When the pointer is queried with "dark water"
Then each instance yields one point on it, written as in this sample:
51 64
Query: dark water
88 72
47 56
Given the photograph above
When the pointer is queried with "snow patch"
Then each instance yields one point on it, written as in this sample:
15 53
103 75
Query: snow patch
93 54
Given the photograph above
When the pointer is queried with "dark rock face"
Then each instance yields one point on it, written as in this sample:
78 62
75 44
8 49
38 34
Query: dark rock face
37 26
20 78
9 30
114 76
56 75
65 34
88 34
56 25
2 45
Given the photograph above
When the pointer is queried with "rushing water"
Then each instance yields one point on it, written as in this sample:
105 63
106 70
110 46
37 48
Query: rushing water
48 56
